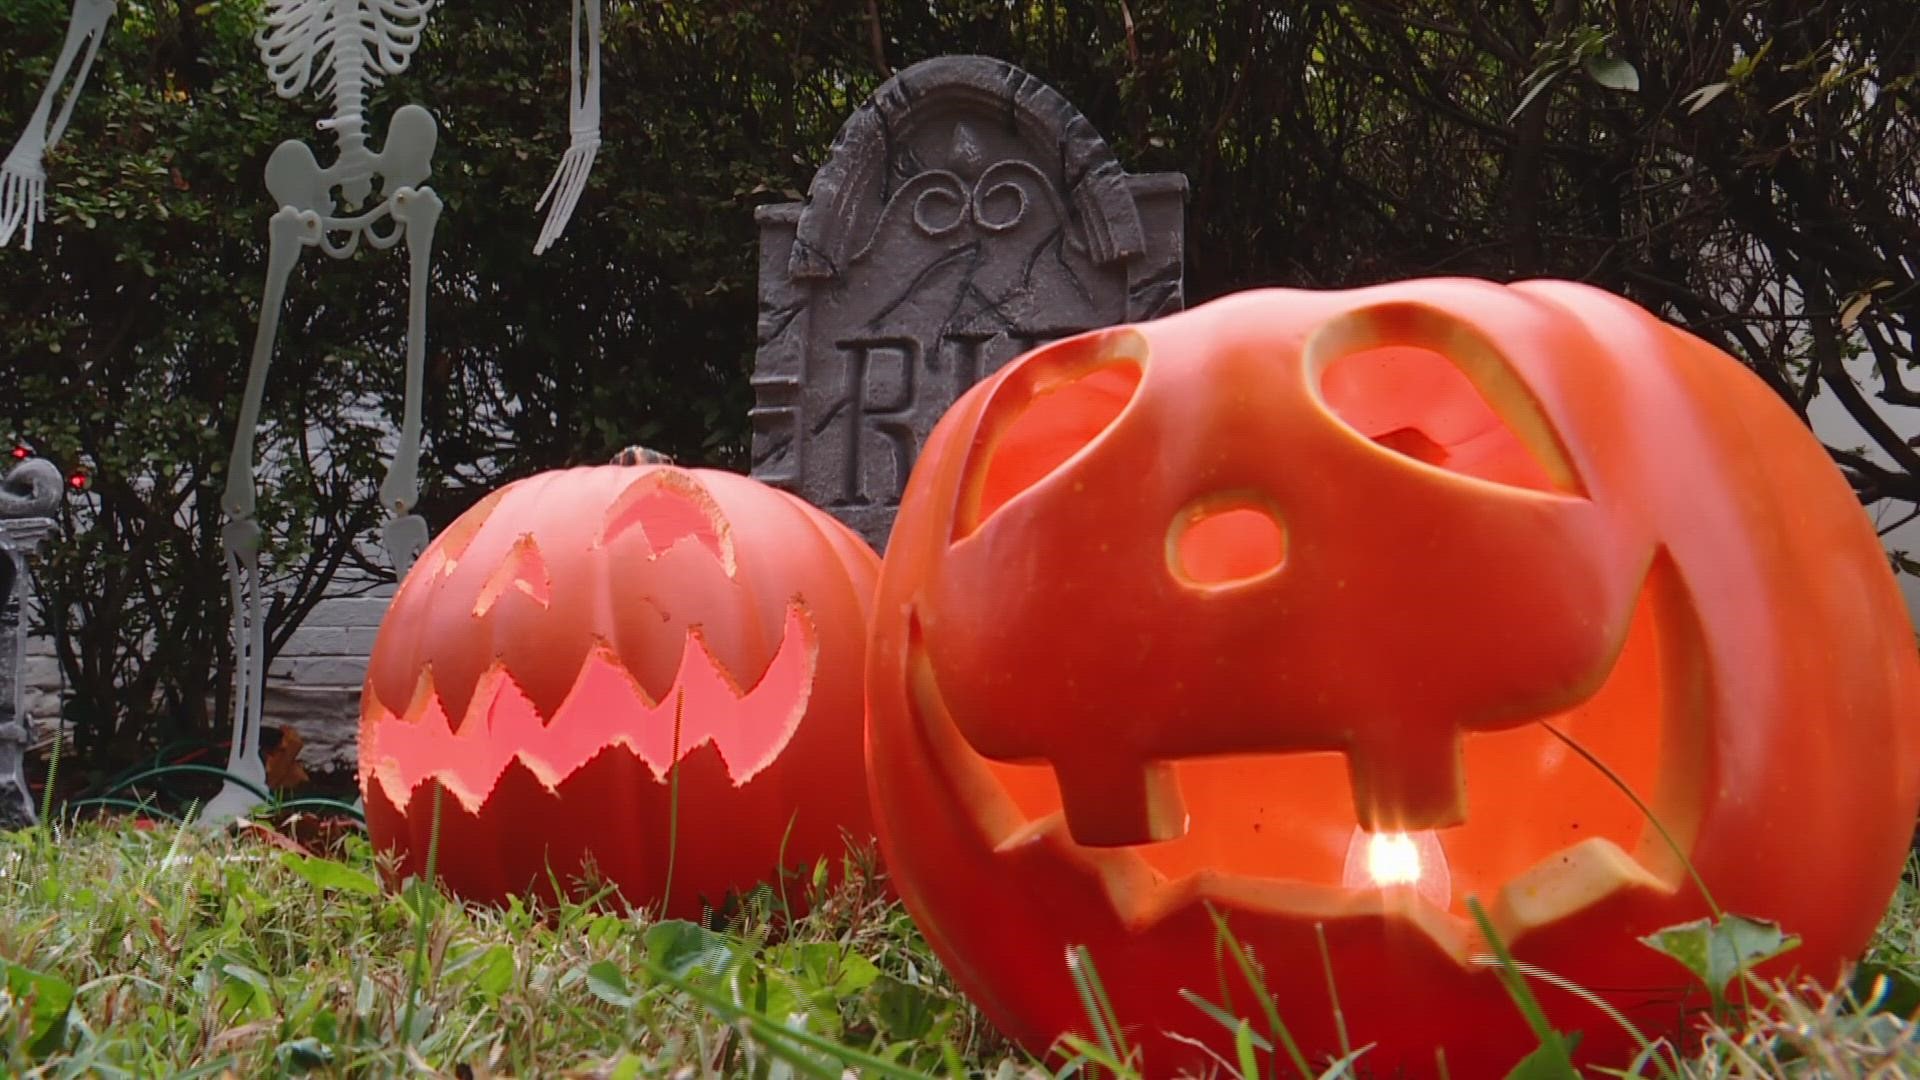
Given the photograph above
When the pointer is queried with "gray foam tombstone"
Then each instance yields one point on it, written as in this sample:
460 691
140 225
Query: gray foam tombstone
29 495
965 214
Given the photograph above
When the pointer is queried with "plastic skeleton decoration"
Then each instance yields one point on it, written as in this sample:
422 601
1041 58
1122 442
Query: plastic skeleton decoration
354 43
583 124
23 177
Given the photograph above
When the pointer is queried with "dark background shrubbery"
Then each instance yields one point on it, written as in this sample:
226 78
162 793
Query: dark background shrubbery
1748 168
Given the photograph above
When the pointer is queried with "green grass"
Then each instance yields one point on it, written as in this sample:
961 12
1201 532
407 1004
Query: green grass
171 952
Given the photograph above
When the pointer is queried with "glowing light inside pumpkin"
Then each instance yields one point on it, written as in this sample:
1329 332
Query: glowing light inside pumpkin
1395 859
1392 859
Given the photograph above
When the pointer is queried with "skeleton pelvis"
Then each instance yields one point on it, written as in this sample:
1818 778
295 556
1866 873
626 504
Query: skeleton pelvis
295 178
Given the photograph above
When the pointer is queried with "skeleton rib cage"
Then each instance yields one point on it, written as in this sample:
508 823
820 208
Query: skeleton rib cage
352 44
348 37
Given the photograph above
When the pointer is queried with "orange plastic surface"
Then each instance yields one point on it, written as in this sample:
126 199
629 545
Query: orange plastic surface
1186 613
581 637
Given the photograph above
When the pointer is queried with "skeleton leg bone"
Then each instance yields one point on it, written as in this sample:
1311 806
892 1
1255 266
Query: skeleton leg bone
23 177
405 534
404 162
290 233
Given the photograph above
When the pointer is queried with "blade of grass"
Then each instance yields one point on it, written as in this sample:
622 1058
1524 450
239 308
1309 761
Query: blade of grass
1522 995
1212 1054
780 865
1345 1066
1272 1012
673 798
1243 1049
427 892
1618 781
1646 811
1093 998
1333 992
173 849
777 1037
1224 1018
1088 1054
1533 972
216 1067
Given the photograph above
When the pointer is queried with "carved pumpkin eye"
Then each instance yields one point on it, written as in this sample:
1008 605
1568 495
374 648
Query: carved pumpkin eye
1058 404
524 571
668 511
1415 383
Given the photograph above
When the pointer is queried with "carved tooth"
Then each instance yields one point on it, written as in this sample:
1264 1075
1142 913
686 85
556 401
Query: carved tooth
1567 882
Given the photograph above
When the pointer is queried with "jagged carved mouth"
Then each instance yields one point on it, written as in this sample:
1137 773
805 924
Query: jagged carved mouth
748 726
1548 831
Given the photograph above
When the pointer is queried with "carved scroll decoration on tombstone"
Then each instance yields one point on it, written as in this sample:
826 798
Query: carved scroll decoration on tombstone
29 496
966 213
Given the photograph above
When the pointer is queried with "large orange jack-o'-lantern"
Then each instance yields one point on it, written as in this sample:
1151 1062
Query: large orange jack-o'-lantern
535 661
1275 607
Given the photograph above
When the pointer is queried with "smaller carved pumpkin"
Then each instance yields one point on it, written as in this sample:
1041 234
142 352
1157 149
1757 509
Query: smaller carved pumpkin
581 638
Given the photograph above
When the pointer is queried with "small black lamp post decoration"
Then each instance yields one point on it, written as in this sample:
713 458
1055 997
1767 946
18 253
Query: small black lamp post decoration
29 495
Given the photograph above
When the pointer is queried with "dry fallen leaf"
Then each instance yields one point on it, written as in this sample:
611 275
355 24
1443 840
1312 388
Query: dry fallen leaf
284 770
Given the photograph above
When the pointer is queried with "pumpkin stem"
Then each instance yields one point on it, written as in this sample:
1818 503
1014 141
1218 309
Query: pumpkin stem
640 455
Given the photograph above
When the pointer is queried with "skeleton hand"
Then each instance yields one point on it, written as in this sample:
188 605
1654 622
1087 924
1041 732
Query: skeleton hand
23 180
23 194
570 179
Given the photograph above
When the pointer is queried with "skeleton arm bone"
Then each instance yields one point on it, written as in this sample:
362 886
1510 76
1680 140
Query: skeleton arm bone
23 177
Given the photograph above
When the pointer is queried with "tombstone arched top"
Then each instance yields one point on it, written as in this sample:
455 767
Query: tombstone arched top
873 155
